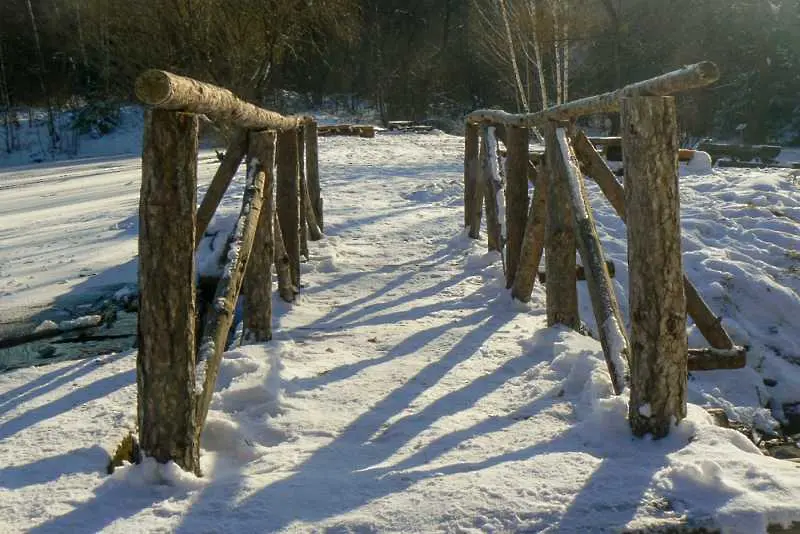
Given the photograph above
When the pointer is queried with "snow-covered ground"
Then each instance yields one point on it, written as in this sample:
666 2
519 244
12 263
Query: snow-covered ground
404 391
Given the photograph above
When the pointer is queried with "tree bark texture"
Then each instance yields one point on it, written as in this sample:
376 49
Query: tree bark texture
219 320
593 164
604 301
516 197
312 172
164 90
656 298
257 285
165 362
473 192
533 241
288 200
302 192
562 293
491 187
286 289
220 183
689 77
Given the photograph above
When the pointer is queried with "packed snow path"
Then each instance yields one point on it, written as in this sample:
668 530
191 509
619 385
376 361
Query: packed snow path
405 392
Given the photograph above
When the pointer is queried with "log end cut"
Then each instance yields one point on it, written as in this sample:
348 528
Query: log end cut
153 87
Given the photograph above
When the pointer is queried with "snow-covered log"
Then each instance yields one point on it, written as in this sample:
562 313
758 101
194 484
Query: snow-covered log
711 359
533 241
597 169
220 317
690 77
491 188
220 183
562 293
657 301
164 90
473 191
257 285
604 301
516 193
166 358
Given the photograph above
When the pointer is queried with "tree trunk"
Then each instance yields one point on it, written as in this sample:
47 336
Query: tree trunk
473 192
596 168
562 293
533 240
257 288
220 318
287 201
312 171
604 301
491 187
165 361
221 181
516 197
656 296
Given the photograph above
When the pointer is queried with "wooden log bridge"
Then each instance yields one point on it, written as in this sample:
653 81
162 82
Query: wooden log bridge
654 359
176 381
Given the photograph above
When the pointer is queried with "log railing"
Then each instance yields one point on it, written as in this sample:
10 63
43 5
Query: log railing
655 362
177 370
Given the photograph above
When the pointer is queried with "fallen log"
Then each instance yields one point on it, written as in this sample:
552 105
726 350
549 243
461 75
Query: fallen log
75 326
709 359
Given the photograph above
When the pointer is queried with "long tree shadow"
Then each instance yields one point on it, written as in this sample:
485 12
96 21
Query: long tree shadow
335 478
85 460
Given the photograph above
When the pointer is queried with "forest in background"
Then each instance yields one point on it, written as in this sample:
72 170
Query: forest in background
407 59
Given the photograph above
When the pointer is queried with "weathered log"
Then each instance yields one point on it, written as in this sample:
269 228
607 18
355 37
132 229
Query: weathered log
301 191
516 197
220 318
314 233
288 200
473 192
360 130
491 186
657 301
257 285
580 273
712 359
562 293
220 183
689 77
595 167
164 90
312 172
286 289
609 321
165 361
65 327
533 241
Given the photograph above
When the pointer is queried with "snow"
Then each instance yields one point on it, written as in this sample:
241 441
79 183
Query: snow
404 391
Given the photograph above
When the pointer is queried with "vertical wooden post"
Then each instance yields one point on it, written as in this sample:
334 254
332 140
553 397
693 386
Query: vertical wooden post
473 190
312 171
562 294
656 295
491 187
301 182
533 240
287 200
165 362
257 285
516 197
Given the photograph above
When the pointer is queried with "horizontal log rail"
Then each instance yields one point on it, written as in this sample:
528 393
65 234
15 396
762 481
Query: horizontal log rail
165 90
690 77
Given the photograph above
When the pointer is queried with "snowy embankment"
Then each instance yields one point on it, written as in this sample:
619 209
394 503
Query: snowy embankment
405 391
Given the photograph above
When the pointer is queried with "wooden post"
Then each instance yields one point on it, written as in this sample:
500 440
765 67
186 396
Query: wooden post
257 285
165 361
604 301
516 197
220 318
301 184
657 301
562 293
533 241
491 187
220 183
287 200
471 172
286 288
312 171
596 168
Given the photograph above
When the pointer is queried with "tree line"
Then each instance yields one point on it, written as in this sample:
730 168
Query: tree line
412 59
